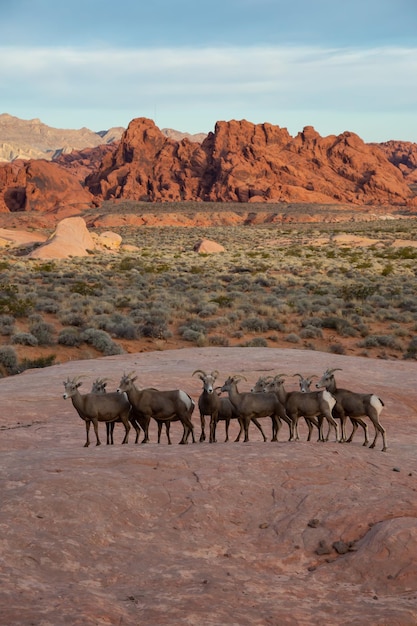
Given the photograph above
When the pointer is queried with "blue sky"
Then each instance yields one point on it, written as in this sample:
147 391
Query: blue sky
334 65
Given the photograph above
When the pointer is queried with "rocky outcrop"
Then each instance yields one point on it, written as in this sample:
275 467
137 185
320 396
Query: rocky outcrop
41 186
402 154
245 162
71 238
206 246
240 162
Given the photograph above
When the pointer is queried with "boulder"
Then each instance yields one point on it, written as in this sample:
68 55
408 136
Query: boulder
71 238
205 246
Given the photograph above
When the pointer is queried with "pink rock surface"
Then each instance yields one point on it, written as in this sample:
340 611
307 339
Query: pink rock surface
224 533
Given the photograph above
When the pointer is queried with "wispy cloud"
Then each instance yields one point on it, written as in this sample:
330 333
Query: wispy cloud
262 78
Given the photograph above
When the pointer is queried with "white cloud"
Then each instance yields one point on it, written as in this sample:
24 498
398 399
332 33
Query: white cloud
254 82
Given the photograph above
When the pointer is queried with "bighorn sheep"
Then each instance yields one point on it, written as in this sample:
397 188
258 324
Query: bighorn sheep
219 409
250 405
99 386
310 405
92 407
163 406
355 406
208 401
305 383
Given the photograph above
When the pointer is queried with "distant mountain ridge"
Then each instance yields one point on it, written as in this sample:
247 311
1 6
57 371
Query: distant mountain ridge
32 139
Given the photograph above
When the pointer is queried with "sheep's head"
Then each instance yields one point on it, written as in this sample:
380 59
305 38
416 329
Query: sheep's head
328 378
126 382
71 386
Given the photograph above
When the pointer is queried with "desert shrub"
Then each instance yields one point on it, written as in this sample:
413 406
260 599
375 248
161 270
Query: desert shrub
208 309
43 331
8 360
69 337
11 303
385 341
274 324
411 351
357 291
47 305
337 348
312 321
25 339
292 338
123 329
42 361
7 323
218 340
85 289
310 332
257 342
73 318
101 341
193 324
254 325
192 335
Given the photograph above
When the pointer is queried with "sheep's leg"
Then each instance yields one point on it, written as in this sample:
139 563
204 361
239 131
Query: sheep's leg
311 421
240 428
332 424
95 426
87 428
226 428
294 431
188 428
137 429
357 421
168 430
109 433
259 427
246 422
283 415
203 425
320 419
213 426
126 424
373 416
146 420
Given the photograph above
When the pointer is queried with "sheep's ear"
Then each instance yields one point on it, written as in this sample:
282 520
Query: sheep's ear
133 379
78 385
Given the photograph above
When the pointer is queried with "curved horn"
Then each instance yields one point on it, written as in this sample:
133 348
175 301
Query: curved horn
238 377
199 372
335 369
215 373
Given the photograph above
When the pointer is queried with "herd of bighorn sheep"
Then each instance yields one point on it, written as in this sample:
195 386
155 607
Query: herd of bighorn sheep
134 406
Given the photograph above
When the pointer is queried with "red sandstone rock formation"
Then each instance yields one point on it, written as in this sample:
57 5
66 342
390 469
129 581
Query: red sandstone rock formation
402 154
239 162
41 186
244 162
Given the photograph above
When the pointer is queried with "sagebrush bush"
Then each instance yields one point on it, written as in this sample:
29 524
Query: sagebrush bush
7 324
101 341
69 337
25 339
8 360
43 332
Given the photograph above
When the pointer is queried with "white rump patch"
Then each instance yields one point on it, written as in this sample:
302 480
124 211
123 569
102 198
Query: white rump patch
331 400
376 403
185 398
